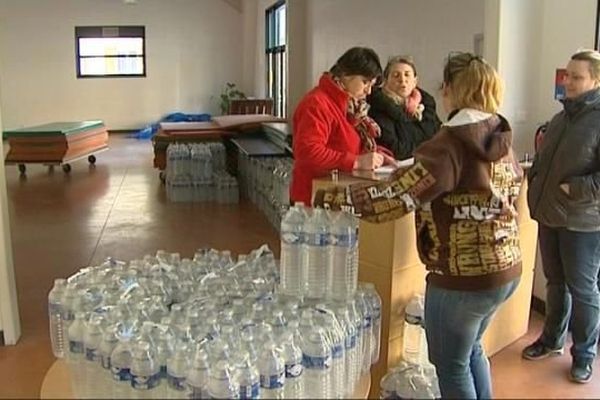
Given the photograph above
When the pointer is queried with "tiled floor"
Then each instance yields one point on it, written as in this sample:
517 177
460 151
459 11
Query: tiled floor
60 223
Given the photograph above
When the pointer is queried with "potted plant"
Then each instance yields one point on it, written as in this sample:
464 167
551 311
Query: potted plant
229 93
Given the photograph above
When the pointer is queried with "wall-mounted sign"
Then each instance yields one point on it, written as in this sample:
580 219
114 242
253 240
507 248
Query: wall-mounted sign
559 87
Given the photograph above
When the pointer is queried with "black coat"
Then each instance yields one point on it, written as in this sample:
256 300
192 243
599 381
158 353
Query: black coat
401 133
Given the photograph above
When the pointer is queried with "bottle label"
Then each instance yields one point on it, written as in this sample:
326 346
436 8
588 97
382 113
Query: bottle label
337 351
293 370
91 354
317 239
310 362
249 391
75 347
121 374
350 341
145 382
344 240
55 309
272 381
176 382
291 237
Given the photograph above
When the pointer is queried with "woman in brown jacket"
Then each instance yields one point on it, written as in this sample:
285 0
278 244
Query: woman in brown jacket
464 185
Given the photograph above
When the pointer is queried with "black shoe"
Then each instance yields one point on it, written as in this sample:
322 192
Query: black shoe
581 372
537 351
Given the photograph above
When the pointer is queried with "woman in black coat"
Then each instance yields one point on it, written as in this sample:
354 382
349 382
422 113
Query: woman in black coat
405 113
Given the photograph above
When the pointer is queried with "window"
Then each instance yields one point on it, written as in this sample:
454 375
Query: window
276 61
110 51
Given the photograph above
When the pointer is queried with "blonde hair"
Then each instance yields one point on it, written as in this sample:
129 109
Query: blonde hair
591 56
473 83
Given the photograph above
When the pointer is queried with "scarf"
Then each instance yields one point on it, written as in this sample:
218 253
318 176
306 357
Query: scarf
412 104
367 128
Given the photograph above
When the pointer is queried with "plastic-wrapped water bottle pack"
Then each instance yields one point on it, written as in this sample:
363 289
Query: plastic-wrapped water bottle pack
206 326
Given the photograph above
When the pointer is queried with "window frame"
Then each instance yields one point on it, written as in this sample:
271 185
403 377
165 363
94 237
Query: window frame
107 31
276 60
597 33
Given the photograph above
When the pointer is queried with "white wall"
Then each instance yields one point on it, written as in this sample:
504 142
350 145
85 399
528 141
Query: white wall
9 312
193 47
298 52
254 37
249 48
425 29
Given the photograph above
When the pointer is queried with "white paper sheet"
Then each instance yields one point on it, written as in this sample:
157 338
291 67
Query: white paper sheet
388 169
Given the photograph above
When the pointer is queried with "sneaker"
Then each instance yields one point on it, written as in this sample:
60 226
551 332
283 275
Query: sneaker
537 351
581 372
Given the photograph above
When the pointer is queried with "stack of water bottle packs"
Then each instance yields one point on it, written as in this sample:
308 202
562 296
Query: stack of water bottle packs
196 173
210 327
266 182
414 377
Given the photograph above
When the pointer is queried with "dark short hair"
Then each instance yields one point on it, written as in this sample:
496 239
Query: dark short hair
358 61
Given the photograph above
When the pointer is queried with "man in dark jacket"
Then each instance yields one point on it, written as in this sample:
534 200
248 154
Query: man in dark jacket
564 197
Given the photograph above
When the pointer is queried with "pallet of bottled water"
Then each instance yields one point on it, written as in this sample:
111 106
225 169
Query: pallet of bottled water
266 182
196 173
209 326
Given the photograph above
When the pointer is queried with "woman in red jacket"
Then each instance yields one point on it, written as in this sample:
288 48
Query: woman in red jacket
331 126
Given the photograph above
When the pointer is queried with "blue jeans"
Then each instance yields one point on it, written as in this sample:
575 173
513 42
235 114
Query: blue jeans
455 321
571 264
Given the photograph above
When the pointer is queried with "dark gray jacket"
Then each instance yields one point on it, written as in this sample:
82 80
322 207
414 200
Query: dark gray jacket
570 153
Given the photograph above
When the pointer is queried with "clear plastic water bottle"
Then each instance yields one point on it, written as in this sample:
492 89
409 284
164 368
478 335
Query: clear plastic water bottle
293 271
107 345
145 372
271 368
350 348
414 341
120 365
316 359
318 258
366 313
247 377
93 369
335 337
344 249
71 303
249 345
375 302
177 369
278 323
197 377
355 319
55 316
292 355
222 383
76 356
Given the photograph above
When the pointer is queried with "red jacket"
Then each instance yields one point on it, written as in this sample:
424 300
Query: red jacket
323 138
